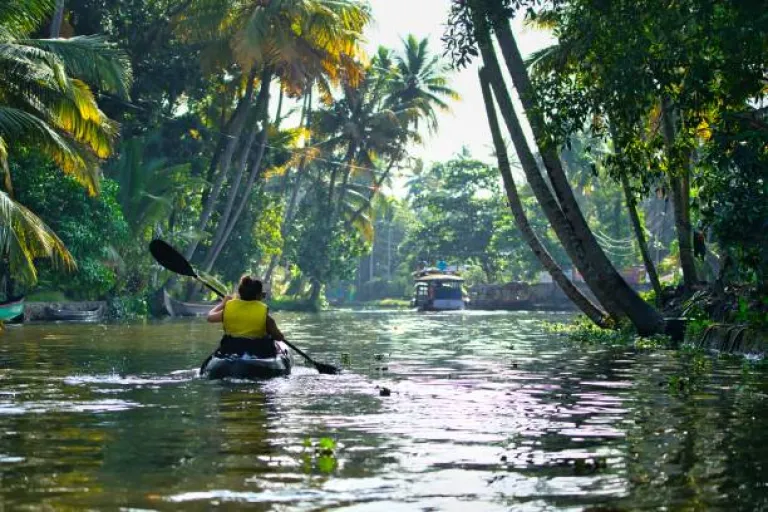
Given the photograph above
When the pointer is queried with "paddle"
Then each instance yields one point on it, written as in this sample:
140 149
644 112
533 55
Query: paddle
172 259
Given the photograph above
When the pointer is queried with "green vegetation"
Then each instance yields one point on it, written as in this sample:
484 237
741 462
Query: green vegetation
668 97
258 137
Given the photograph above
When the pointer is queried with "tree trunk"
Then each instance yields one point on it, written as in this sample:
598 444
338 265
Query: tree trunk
262 113
371 265
539 185
680 188
637 226
238 123
581 301
279 113
376 186
256 169
58 19
314 295
306 121
611 289
349 158
244 198
389 250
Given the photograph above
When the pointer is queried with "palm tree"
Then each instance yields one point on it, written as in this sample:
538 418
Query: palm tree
590 309
295 41
613 293
420 84
45 104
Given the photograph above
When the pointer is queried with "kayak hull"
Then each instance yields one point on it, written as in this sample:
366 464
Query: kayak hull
249 367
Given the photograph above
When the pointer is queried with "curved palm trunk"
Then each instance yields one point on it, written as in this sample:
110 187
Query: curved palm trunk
306 120
680 188
331 216
592 311
642 243
612 290
238 124
58 19
256 169
287 218
376 186
348 161
539 185
262 105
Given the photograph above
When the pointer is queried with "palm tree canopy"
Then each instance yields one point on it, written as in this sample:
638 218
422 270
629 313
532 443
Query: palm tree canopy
46 105
45 101
420 83
300 39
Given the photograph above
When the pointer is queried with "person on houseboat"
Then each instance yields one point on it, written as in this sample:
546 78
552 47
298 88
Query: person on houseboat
248 326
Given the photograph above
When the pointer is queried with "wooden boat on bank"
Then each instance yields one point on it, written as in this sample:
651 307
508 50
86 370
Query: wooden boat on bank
177 308
75 315
12 310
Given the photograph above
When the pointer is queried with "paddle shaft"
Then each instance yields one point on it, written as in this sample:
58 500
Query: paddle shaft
214 290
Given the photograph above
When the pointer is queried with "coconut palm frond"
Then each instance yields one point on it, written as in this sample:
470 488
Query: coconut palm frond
20 18
24 237
25 128
91 59
4 169
149 187
365 227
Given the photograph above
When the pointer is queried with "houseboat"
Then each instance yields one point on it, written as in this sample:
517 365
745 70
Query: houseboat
438 291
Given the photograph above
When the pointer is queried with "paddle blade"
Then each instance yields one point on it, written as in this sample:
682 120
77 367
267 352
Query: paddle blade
170 258
327 369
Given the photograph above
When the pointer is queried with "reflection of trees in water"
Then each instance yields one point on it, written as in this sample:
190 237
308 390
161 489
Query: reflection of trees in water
59 457
697 447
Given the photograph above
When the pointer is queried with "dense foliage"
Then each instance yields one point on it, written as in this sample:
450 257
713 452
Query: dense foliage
258 137
92 227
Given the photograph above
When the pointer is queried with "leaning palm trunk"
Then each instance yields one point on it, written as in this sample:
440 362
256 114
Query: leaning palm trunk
255 173
262 105
376 187
581 301
349 162
306 120
238 124
680 188
539 186
58 19
332 215
642 243
287 218
611 289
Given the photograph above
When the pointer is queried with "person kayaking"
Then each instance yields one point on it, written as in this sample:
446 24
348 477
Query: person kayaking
248 327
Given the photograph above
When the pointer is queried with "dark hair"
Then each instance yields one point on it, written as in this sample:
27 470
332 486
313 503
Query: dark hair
249 288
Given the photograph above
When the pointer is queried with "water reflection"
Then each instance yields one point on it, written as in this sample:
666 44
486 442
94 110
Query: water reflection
486 411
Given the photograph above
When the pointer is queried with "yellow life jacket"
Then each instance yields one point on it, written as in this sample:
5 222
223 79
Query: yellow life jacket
245 318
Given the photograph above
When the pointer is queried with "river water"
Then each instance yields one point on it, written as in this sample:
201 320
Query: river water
487 412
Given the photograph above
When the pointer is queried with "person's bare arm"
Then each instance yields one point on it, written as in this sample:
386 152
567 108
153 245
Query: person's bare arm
216 315
273 330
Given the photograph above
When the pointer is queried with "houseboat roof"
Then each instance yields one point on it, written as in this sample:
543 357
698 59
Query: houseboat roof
438 277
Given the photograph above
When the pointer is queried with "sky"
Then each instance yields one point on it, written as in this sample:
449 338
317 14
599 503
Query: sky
466 125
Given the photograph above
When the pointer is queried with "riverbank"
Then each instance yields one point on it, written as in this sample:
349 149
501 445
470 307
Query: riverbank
737 339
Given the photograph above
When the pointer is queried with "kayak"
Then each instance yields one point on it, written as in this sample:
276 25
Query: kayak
249 367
